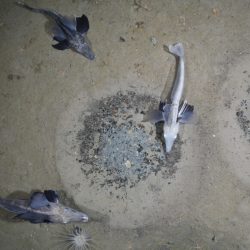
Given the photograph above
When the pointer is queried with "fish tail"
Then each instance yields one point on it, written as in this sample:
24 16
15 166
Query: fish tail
176 49
26 6
11 206
52 14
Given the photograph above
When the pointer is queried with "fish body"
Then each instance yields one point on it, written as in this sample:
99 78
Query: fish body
69 32
43 207
173 113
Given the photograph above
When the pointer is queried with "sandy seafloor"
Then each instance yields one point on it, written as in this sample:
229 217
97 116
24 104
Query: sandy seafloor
205 202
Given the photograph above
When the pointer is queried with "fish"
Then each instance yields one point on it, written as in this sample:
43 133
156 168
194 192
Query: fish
43 207
175 112
69 32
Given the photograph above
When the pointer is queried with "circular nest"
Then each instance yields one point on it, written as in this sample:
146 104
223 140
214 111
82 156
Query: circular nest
116 143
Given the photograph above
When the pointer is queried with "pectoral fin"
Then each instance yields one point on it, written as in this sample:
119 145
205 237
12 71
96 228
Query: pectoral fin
69 22
166 110
38 200
186 113
61 45
58 34
34 218
82 24
153 116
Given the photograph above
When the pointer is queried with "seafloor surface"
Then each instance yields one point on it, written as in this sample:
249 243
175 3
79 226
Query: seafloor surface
76 125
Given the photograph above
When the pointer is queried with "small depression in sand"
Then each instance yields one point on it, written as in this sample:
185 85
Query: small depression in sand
107 157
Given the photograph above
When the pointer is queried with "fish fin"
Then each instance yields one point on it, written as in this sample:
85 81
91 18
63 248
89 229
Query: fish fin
26 6
161 106
69 22
153 116
166 110
52 196
38 200
186 112
58 38
176 49
34 217
58 34
14 206
62 45
82 24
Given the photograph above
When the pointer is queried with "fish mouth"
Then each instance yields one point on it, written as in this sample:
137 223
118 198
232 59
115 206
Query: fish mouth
85 218
168 149
88 54
91 57
169 145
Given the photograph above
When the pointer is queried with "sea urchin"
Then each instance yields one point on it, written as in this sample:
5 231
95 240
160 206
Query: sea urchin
77 239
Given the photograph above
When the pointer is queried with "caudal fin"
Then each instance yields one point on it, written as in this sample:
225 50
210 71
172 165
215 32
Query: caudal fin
26 6
176 49
15 206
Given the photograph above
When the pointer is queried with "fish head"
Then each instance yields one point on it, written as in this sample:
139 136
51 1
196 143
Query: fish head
170 135
85 48
72 215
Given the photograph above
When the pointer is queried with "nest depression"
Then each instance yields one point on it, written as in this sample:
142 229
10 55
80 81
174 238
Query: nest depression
115 143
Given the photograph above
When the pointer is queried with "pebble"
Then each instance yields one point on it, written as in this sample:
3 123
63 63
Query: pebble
153 40
128 164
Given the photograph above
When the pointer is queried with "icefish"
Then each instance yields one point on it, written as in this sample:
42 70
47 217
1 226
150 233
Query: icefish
173 113
69 32
43 207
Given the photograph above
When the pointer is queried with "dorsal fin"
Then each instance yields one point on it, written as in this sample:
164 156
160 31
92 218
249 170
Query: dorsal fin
52 196
82 24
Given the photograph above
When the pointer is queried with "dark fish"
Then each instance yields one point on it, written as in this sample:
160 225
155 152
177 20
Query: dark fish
69 32
43 207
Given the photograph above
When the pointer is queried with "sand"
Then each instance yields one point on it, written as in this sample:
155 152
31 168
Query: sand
195 198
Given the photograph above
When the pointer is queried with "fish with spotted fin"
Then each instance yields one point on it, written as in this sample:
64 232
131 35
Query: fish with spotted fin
43 207
69 32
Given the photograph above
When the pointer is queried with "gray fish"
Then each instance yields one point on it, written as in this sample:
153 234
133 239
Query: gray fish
43 207
69 32
173 113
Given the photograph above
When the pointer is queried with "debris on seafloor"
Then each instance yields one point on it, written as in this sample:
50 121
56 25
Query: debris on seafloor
243 117
128 164
182 20
138 4
216 11
115 144
153 40
122 39
139 25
